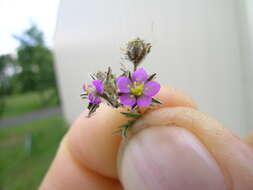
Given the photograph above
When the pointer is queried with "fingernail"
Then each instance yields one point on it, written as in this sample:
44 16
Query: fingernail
168 158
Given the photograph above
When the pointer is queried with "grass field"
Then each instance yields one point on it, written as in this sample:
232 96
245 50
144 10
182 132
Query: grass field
24 103
26 152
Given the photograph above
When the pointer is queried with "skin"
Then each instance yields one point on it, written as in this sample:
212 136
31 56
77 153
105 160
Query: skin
90 155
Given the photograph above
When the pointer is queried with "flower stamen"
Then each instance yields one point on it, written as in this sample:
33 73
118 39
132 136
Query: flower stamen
137 89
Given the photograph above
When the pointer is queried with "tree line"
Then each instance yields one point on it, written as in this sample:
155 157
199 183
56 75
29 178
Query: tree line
31 69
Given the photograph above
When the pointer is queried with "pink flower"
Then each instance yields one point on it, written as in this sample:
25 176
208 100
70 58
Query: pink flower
94 90
137 90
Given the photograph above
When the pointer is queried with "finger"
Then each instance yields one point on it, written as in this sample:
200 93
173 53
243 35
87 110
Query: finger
66 173
233 156
168 158
92 142
93 147
172 97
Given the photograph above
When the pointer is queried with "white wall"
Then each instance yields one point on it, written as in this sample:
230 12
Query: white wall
245 20
196 47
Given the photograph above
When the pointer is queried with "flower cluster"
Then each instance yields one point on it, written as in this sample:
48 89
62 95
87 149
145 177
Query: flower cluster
133 89
94 91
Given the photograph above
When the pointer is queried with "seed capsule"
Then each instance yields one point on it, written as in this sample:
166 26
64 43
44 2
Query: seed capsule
137 50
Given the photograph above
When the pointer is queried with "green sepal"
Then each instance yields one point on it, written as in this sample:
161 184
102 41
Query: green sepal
151 77
93 77
131 114
156 101
84 94
92 108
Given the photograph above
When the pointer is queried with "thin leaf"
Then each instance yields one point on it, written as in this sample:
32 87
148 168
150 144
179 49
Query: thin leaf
124 130
149 47
156 101
106 97
134 107
93 77
151 77
131 114
90 105
93 109
129 76
124 133
109 71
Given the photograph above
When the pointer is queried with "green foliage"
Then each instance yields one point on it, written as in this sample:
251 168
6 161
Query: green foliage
6 61
131 114
5 80
2 105
35 61
24 103
22 166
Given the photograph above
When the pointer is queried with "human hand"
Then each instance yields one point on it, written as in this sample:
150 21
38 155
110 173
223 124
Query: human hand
174 147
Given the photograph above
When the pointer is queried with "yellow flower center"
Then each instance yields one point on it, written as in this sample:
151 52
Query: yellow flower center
89 89
137 89
86 88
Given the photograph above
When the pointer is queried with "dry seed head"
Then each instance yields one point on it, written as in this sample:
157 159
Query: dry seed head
137 50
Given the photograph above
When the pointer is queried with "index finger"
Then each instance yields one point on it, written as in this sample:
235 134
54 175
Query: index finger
92 144
92 140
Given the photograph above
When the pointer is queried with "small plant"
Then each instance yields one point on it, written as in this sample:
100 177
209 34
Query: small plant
133 88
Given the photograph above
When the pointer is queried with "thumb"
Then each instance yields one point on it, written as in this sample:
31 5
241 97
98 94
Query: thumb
167 158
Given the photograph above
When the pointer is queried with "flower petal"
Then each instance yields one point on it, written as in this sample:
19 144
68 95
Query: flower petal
144 101
96 100
124 84
91 97
151 88
140 75
99 86
127 99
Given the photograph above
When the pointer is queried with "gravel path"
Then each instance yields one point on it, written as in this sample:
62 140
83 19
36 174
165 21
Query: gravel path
21 119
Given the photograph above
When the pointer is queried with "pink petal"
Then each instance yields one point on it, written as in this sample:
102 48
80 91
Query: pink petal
99 86
96 100
144 101
127 99
140 75
91 97
151 88
124 84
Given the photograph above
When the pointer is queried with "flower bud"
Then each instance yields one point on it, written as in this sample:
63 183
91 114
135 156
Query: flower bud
137 50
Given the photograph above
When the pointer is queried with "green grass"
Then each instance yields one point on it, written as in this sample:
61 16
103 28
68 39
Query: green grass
24 103
22 166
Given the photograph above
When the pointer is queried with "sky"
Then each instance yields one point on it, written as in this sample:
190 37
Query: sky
17 15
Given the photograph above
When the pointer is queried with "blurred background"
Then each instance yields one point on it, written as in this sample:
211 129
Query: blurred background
31 121
48 48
